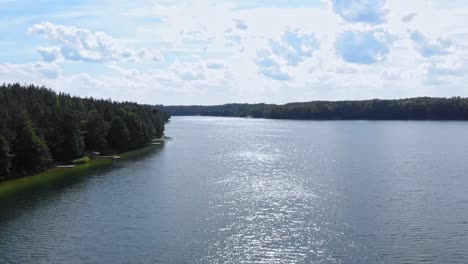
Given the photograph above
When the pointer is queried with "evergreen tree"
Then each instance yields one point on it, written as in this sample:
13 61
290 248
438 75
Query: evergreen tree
5 159
30 151
73 145
96 131
137 132
38 126
118 136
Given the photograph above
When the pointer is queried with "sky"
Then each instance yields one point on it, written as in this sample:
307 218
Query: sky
203 52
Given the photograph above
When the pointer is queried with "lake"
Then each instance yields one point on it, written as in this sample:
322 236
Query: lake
232 190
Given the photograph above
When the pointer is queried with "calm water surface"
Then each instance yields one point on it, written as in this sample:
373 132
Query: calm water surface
232 190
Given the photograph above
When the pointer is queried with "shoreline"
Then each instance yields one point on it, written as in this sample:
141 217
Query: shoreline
13 186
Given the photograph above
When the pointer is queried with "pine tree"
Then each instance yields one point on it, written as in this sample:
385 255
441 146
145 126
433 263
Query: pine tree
96 131
39 126
73 145
31 153
118 136
138 134
5 158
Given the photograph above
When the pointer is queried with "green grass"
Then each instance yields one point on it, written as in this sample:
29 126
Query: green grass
14 186
82 168
81 161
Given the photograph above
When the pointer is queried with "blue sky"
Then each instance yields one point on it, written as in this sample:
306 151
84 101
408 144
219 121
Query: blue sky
212 52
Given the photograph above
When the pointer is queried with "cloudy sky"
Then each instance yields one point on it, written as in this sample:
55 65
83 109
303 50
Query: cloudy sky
215 51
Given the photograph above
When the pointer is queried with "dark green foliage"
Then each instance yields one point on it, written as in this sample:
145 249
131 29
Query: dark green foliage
30 150
424 108
39 127
5 158
96 131
73 145
137 130
118 136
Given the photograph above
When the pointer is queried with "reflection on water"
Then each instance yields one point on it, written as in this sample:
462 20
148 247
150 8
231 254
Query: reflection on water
259 191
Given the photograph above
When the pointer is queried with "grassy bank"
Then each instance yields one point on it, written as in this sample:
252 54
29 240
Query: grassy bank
83 167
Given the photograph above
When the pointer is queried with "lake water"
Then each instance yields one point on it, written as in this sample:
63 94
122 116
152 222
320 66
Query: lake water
230 190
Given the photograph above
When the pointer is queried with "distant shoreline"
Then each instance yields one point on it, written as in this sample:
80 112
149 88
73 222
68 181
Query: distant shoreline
421 108
330 120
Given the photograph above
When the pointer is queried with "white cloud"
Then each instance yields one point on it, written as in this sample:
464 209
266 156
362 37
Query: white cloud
241 24
48 70
29 72
391 75
77 44
215 65
364 47
232 38
188 23
430 48
295 46
49 54
191 35
149 55
365 11
409 17
217 52
269 67
450 68
234 35
186 71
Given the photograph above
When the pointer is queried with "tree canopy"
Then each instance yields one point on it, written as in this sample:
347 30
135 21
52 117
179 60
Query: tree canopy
39 127
423 108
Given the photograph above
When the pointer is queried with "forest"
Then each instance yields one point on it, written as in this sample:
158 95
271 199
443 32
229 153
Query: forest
422 108
40 128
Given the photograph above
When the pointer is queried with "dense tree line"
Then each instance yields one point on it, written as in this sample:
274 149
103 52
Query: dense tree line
423 108
39 127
